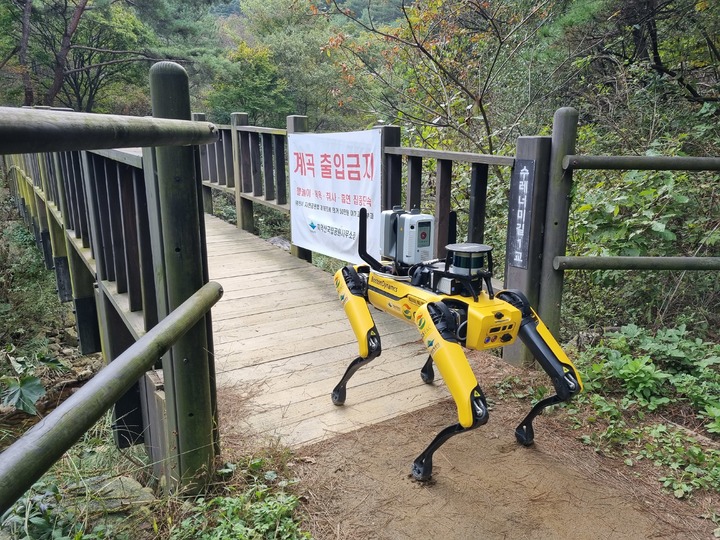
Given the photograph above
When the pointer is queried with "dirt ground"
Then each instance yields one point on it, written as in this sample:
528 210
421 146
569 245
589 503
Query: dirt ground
485 485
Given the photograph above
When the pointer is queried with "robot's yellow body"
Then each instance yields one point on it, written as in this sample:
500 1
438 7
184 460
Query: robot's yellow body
451 311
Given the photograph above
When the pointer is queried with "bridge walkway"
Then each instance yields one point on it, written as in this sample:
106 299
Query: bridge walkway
282 342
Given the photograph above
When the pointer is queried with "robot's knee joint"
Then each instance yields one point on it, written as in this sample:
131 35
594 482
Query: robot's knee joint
479 408
374 346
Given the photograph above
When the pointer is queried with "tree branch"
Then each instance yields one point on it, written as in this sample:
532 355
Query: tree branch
108 51
111 62
9 56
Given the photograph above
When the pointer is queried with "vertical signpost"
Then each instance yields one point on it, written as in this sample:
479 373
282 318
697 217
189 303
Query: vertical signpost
333 176
526 220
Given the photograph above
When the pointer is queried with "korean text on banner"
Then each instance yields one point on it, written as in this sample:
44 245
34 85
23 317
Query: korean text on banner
332 176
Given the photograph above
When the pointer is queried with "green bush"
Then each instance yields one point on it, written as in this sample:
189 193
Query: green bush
262 509
634 373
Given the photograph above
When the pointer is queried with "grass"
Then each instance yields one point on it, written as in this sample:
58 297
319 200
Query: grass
78 499
653 397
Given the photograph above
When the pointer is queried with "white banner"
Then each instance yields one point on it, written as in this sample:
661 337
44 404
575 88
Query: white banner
332 176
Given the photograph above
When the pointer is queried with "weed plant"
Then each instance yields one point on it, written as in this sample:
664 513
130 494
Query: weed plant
70 503
655 397
250 499
28 309
253 502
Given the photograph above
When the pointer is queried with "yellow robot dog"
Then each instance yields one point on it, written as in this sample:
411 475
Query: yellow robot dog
446 301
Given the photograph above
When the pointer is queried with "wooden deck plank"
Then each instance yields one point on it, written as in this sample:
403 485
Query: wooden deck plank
282 339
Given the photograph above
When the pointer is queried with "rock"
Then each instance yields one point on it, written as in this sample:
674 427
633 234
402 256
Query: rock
279 241
106 495
69 337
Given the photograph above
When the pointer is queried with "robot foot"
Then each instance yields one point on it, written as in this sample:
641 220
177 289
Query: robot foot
524 433
427 373
338 395
339 392
422 466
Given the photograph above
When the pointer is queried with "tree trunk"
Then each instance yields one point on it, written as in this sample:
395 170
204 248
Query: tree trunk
22 54
62 54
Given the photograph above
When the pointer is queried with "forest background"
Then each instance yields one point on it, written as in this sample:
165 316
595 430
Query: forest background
464 75
461 75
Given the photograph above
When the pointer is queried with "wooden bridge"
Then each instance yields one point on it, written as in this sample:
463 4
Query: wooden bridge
282 342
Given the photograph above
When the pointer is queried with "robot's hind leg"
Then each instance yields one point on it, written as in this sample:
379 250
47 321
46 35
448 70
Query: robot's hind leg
352 288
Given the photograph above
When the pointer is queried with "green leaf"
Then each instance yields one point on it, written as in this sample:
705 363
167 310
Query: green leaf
23 393
658 226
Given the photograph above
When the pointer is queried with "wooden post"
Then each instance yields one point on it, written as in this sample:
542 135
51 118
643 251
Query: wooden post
556 221
298 124
414 187
478 202
391 168
526 219
187 377
204 169
442 205
241 168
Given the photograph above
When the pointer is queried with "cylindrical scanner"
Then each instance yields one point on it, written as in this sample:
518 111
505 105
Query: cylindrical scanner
452 363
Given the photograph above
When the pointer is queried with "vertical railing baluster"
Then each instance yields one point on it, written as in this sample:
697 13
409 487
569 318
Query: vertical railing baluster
414 187
255 165
116 227
220 162
226 141
128 215
391 168
280 173
268 175
443 188
478 202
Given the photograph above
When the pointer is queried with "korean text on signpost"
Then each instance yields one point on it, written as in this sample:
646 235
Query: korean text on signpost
332 176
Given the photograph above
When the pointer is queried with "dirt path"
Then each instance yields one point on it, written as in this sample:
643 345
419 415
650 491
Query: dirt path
485 485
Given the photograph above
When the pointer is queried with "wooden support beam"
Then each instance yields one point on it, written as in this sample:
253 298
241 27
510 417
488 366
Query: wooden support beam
24 131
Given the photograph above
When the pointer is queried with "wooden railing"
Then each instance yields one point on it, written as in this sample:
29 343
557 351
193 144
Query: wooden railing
107 222
256 174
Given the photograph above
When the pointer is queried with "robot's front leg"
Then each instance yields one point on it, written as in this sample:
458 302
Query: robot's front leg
352 289
437 327
548 353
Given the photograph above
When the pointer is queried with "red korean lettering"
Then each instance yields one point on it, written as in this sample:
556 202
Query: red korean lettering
310 163
368 166
300 163
353 166
326 166
339 163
